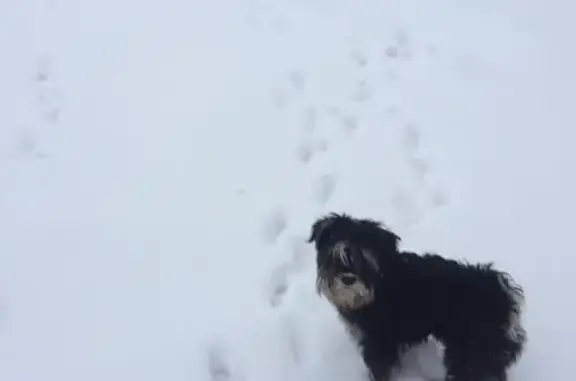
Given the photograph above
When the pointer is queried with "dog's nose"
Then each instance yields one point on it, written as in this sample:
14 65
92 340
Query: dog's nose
348 280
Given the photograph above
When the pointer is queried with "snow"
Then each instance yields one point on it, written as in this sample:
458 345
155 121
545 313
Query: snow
161 163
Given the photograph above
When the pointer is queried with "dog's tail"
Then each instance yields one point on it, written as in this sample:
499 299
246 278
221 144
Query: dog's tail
515 293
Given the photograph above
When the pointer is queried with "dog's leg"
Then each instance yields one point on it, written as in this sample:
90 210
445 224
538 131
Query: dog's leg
480 363
380 360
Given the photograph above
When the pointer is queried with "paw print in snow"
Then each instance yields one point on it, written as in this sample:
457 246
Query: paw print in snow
359 57
325 187
309 119
27 145
438 199
48 96
391 52
278 285
279 98
363 92
392 111
280 277
411 137
297 80
217 365
274 225
334 111
404 208
305 153
349 123
419 166
307 150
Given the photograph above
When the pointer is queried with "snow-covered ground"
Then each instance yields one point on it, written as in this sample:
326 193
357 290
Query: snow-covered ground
161 162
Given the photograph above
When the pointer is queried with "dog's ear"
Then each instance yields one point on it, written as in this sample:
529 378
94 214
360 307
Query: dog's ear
388 240
318 228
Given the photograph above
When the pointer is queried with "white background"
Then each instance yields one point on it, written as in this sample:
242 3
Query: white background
161 163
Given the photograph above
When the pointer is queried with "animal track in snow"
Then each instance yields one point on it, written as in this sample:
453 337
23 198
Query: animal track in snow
279 285
363 92
275 223
309 119
403 206
48 94
300 251
349 123
359 57
47 104
334 112
399 48
320 145
304 153
307 150
310 147
438 199
395 54
411 137
420 168
392 52
291 331
392 110
27 145
325 187
280 277
218 367
280 98
432 51
298 80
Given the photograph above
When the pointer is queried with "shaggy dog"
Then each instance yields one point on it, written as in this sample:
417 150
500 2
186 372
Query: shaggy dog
391 300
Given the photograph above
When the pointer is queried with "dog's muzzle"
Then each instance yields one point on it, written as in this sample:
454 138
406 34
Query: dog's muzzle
345 291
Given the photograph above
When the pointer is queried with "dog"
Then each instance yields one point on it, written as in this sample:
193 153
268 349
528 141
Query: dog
391 300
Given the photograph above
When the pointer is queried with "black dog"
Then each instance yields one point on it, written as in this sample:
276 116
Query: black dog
391 300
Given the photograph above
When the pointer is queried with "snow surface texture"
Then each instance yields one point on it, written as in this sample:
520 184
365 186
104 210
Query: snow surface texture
161 163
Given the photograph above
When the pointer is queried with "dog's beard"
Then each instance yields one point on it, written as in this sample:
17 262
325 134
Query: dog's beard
345 296
342 296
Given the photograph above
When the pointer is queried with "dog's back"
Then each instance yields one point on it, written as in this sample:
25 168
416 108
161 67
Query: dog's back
447 297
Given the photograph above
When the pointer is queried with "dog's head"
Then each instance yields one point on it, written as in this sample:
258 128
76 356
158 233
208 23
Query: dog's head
350 253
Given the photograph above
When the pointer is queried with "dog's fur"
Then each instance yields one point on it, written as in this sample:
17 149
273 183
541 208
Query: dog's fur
391 299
